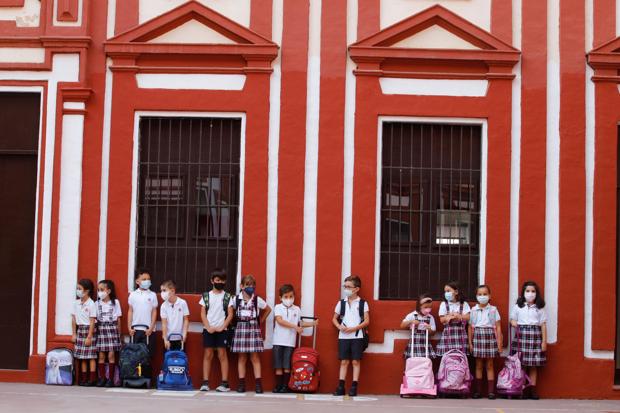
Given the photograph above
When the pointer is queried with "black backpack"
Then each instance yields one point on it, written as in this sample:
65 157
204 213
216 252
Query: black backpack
134 361
361 307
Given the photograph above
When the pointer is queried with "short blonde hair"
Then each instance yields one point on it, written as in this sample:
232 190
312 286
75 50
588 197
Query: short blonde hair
248 280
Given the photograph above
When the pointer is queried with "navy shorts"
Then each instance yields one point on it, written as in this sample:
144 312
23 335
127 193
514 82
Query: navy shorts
214 340
282 357
350 349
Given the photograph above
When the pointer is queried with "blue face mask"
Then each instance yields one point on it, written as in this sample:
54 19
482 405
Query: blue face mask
448 295
145 285
249 290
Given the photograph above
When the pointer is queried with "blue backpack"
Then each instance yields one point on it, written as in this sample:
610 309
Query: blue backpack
174 373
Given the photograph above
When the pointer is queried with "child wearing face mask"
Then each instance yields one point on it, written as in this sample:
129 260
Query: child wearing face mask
485 339
108 330
248 337
174 314
287 325
454 315
83 327
529 317
142 310
420 321
216 314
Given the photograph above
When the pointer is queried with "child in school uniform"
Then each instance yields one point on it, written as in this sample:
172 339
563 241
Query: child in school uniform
485 339
108 330
420 321
174 314
142 311
251 311
287 325
83 326
217 313
529 317
351 328
454 315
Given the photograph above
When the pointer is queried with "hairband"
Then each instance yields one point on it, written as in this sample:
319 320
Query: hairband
426 300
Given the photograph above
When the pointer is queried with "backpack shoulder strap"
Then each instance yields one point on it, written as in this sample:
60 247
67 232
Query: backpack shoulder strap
461 308
205 298
343 303
226 302
361 308
255 303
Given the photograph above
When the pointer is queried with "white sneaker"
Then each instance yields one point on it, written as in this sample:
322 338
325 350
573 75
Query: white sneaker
223 388
204 387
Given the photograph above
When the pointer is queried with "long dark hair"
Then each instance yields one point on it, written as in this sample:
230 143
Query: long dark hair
109 284
456 286
539 301
88 285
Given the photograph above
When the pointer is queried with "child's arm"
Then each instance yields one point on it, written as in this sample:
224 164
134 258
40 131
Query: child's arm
286 324
265 313
407 323
153 321
164 333
543 327
470 337
229 317
129 320
336 322
205 320
73 329
513 317
312 323
499 335
91 332
185 327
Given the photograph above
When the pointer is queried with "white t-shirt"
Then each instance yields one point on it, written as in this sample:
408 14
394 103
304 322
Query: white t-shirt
454 308
484 317
244 310
84 311
422 326
528 315
109 311
285 336
174 315
142 303
351 318
215 313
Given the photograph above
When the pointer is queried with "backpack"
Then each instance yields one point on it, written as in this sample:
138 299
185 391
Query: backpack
59 367
174 373
453 375
511 380
418 378
361 307
134 362
305 373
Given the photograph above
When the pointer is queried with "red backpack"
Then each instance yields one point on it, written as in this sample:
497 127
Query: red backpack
305 373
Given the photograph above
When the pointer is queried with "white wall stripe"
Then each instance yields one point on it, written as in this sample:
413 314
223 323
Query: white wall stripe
590 168
312 158
433 87
275 89
190 81
515 161
105 170
111 19
617 18
349 145
552 217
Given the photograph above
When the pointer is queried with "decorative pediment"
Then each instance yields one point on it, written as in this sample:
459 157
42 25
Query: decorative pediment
605 60
433 35
194 29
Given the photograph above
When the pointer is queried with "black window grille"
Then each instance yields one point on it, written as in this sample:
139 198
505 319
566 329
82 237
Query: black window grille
430 208
188 205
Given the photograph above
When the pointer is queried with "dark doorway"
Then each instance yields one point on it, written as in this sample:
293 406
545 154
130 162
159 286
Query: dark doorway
19 143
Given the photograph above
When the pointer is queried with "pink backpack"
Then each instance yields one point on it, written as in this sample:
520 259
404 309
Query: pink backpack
511 380
453 375
418 379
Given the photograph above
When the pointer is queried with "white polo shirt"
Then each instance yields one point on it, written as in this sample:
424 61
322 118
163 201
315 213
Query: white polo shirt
84 311
413 315
103 311
484 317
215 314
174 315
142 303
285 336
528 315
455 307
351 318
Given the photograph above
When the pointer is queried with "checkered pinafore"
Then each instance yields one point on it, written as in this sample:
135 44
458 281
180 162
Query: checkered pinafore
419 341
248 337
454 336
528 343
108 337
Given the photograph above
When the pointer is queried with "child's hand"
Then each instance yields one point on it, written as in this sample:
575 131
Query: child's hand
471 348
514 323
73 338
220 329
299 329
350 330
132 332
315 323
88 341
415 322
148 332
342 328
167 344
543 347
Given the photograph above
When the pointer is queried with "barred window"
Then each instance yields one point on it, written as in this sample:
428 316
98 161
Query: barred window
430 208
188 205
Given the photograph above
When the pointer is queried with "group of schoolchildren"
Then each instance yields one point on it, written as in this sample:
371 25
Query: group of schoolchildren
475 331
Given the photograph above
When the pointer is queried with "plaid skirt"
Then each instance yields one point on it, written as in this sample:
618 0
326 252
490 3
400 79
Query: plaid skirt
108 338
530 346
247 338
453 337
484 343
419 342
82 351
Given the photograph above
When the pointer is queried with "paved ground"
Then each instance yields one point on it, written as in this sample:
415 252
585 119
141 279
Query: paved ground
32 398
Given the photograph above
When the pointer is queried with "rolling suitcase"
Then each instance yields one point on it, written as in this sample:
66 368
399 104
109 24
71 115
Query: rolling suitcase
135 364
418 379
305 373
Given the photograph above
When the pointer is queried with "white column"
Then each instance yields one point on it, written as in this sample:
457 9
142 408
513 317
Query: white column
69 215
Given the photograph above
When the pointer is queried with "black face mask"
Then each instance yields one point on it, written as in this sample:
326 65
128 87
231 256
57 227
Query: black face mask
219 286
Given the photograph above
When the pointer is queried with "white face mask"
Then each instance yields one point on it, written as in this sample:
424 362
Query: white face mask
482 299
530 296
347 292
288 302
79 293
449 295
165 295
102 295
145 285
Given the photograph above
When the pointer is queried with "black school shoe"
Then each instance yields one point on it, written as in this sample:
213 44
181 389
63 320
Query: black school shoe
339 391
259 388
353 391
101 382
241 388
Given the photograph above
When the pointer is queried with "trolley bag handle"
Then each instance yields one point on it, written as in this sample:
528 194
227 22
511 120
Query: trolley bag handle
313 332
178 335
426 338
133 327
